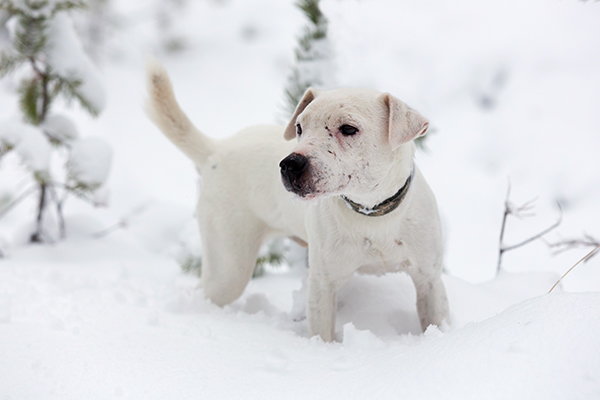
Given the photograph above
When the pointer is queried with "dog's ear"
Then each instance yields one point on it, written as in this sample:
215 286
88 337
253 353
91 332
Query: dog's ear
404 123
309 95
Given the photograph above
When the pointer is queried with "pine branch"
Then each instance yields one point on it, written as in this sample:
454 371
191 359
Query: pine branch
36 94
311 10
272 258
7 6
41 177
69 88
33 7
9 61
306 42
80 191
4 149
192 265
30 93
69 5
30 38
294 91
316 30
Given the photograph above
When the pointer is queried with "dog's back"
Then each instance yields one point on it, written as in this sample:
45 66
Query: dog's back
227 164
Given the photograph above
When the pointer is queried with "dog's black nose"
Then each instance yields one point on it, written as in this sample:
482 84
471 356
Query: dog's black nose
291 168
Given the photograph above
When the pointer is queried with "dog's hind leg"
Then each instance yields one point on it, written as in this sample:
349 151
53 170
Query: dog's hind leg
229 253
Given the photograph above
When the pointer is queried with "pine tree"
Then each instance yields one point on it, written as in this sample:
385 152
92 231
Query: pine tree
95 26
45 45
314 65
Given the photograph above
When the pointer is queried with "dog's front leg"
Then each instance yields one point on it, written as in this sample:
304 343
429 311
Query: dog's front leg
321 307
432 302
326 275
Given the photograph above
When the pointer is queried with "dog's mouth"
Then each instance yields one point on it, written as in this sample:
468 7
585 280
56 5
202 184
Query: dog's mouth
298 186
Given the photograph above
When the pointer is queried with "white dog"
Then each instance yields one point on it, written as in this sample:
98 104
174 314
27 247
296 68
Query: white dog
372 211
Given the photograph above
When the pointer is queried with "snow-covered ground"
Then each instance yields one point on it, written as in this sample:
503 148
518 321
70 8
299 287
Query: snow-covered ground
512 90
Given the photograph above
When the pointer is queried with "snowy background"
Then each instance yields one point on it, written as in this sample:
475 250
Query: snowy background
512 90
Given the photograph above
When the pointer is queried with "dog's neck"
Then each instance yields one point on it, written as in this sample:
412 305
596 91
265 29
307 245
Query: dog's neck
386 206
386 191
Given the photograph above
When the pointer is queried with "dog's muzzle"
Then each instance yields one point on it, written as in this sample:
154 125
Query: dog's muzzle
293 168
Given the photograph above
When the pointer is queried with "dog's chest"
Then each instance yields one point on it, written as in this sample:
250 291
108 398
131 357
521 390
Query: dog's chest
383 253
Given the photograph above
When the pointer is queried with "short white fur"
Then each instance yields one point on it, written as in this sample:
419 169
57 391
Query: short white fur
243 200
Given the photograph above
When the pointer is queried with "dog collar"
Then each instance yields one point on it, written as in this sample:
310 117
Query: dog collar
386 206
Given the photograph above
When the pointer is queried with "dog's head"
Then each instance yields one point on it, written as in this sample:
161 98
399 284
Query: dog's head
347 141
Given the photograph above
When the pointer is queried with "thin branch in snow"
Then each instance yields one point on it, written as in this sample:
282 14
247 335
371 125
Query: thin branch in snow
59 207
507 209
36 237
123 223
539 235
16 201
520 212
76 192
570 244
587 257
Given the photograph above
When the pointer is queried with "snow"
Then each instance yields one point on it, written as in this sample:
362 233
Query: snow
29 141
319 66
89 162
65 53
511 90
60 127
115 318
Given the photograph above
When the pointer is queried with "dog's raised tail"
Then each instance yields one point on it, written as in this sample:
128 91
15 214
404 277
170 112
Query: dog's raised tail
162 108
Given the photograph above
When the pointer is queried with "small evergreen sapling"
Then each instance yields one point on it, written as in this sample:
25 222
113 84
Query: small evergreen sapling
45 47
314 63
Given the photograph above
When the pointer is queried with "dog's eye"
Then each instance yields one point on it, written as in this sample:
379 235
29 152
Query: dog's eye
298 129
348 130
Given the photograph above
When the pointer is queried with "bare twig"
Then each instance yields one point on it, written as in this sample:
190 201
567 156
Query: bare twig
72 190
539 235
520 212
105 232
36 237
570 244
59 207
588 256
16 201
123 222
502 228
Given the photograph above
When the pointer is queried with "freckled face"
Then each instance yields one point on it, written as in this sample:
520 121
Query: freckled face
344 137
